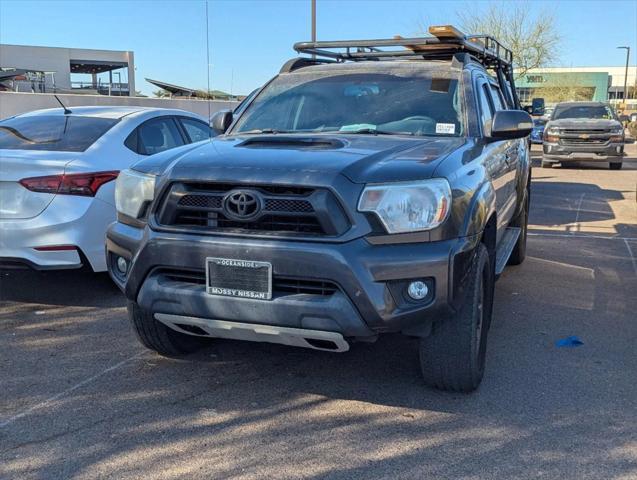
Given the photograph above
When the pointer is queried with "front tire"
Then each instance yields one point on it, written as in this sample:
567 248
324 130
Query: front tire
156 336
453 357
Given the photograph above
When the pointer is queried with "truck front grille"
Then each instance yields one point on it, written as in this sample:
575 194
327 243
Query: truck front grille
268 223
282 210
585 132
584 141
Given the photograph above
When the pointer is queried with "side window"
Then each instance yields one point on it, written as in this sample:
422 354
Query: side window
131 141
195 129
238 110
486 109
158 135
496 96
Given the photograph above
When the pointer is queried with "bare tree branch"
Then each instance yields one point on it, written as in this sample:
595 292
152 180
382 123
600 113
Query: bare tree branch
532 37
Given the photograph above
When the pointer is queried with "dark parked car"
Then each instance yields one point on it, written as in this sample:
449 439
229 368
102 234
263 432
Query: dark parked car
349 199
583 131
538 130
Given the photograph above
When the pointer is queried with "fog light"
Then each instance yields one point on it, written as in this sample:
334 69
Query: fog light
122 265
417 290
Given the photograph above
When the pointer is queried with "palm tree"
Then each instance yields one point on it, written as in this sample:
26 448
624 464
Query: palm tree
161 94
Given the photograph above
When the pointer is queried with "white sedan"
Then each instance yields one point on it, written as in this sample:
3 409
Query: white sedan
56 177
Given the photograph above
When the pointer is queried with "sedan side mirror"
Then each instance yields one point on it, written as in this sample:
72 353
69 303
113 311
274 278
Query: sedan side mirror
221 121
508 124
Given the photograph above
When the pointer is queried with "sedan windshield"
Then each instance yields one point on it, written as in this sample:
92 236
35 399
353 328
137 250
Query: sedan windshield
583 111
408 102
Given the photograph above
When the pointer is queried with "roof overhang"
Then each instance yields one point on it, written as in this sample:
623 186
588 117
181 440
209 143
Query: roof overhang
95 66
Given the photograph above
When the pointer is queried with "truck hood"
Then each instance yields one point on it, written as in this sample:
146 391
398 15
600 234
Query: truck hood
305 159
584 123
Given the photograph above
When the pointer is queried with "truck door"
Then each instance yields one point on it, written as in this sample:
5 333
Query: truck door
495 155
512 155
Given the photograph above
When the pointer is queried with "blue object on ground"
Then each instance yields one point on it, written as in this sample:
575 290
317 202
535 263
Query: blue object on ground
572 341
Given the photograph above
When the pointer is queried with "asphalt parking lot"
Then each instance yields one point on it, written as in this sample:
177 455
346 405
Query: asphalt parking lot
80 398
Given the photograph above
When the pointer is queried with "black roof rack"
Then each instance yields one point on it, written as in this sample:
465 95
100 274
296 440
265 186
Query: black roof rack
446 42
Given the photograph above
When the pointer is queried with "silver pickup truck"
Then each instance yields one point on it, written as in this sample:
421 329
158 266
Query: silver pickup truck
583 131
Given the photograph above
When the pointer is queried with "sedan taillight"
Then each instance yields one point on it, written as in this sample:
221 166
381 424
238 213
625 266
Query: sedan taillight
84 184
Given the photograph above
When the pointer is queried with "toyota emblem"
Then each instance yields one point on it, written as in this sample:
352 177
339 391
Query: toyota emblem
242 204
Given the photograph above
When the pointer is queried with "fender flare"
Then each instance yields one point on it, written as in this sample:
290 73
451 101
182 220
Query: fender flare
481 207
524 180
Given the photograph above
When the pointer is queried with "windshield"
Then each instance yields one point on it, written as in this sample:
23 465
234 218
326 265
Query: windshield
407 101
583 111
62 133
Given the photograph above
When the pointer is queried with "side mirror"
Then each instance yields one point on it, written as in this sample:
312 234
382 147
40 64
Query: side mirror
221 121
507 124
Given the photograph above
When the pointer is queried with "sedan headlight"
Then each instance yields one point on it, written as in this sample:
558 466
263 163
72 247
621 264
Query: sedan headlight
133 191
408 207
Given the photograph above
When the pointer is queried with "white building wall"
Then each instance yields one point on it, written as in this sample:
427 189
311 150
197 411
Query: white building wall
58 60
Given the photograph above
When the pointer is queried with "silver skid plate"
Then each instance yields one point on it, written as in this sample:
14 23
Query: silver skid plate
296 337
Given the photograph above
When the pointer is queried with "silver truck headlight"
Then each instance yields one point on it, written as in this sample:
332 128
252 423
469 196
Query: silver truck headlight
408 207
617 131
133 191
552 131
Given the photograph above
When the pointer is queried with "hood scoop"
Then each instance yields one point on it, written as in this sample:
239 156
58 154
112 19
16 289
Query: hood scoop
288 142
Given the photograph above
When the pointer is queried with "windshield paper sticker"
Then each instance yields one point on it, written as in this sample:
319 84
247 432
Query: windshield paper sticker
445 128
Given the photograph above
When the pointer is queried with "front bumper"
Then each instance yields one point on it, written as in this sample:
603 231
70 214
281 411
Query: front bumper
593 151
367 302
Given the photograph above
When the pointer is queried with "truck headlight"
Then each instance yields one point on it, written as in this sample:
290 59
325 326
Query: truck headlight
133 192
408 207
551 134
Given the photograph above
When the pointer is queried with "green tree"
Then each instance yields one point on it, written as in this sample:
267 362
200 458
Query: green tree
161 94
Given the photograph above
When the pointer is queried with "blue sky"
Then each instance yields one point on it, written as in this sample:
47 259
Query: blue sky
250 39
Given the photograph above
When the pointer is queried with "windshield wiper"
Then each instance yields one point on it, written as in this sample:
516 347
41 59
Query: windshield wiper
258 131
373 131
28 140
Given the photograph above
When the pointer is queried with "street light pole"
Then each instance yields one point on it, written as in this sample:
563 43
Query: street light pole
313 20
313 23
626 76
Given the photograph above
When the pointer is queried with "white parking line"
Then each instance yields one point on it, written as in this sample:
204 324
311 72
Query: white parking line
580 235
632 257
48 401
579 208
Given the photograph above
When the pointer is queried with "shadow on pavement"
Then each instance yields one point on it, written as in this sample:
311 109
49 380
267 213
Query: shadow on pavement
65 287
572 205
244 410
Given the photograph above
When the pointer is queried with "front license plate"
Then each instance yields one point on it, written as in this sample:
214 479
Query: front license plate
239 278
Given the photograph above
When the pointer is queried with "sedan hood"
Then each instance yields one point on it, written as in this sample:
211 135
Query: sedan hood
302 159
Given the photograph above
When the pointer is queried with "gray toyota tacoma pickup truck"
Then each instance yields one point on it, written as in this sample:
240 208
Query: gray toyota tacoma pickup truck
583 131
370 187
